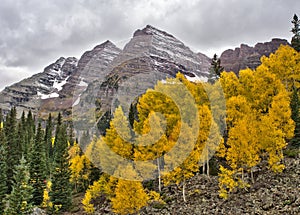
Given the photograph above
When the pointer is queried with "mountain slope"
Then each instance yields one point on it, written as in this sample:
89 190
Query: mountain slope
29 93
151 55
54 88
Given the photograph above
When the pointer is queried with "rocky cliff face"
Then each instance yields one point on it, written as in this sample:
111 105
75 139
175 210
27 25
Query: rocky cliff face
107 76
248 57
150 56
55 88
29 93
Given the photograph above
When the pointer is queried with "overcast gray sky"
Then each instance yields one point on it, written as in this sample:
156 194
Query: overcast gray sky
34 33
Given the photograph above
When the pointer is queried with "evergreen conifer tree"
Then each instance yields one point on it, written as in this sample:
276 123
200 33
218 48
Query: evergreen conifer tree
296 31
48 143
13 157
22 137
38 166
215 69
18 202
3 168
61 190
295 106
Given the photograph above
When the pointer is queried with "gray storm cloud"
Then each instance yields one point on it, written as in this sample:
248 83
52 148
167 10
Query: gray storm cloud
35 33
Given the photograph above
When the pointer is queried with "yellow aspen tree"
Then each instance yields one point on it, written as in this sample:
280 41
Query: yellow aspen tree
115 148
208 137
280 113
211 146
151 146
118 137
230 84
276 127
104 186
180 172
198 89
129 198
167 99
236 108
266 86
243 145
284 63
226 182
80 167
154 101
92 152
130 195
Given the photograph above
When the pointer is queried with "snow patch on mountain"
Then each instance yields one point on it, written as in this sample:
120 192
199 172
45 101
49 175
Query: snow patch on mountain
59 84
47 96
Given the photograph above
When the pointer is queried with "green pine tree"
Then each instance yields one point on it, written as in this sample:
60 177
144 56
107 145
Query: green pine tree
61 189
3 165
296 31
13 157
295 106
19 200
48 143
215 69
22 135
38 166
30 130
3 176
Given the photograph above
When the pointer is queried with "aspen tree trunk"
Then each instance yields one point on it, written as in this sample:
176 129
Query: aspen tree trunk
183 191
159 176
242 174
252 178
207 168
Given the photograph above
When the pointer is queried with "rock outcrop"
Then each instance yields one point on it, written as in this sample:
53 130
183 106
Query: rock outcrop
151 55
55 88
248 57
29 93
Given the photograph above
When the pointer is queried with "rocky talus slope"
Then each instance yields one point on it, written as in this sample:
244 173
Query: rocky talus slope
272 194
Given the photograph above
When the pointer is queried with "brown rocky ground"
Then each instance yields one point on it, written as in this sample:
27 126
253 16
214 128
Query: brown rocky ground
270 194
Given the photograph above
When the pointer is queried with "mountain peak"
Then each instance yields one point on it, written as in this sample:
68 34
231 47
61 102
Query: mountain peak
105 44
151 30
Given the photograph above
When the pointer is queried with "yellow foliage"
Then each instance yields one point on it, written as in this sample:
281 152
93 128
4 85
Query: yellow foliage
87 205
154 195
130 197
230 84
79 166
46 198
104 186
284 63
227 182
52 141
258 115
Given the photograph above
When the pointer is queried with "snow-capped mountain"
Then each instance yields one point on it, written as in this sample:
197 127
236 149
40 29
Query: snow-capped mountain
104 75
151 55
54 88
